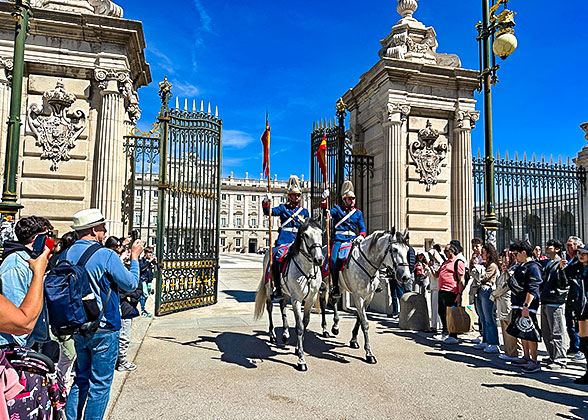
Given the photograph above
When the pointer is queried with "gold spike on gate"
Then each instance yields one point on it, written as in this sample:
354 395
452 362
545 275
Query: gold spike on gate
516 156
525 156
542 158
216 112
186 104
559 159
497 154
202 106
209 108
533 156
177 103
194 106
479 156
506 157
551 159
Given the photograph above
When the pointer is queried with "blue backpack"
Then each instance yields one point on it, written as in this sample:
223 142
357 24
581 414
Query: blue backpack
72 305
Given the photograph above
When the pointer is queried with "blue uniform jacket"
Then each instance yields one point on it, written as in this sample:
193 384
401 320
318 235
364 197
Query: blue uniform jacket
352 224
286 236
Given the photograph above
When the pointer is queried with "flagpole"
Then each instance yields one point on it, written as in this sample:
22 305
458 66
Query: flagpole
328 218
269 191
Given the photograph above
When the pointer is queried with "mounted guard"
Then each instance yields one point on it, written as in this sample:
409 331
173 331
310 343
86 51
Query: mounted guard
349 227
292 216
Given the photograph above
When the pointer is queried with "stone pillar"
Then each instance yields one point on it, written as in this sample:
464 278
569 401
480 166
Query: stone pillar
394 166
462 195
109 161
582 160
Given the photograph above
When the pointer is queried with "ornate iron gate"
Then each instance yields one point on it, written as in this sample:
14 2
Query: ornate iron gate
343 162
173 200
534 199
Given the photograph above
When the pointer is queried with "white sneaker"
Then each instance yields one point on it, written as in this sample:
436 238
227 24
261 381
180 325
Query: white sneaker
492 349
450 340
439 337
481 346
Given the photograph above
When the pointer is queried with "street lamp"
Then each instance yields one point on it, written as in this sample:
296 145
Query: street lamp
9 206
495 29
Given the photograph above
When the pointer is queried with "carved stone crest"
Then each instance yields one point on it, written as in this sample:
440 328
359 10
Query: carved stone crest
427 156
57 131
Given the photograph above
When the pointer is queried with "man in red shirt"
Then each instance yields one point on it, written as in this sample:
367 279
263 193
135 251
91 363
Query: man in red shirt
451 284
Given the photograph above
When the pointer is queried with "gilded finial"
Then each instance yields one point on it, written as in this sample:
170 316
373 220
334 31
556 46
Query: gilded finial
216 112
177 103
202 106
209 109
186 104
194 106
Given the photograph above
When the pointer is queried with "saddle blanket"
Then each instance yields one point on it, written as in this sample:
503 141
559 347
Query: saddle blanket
280 254
340 261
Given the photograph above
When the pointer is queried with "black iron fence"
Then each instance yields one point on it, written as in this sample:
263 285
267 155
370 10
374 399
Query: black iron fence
535 199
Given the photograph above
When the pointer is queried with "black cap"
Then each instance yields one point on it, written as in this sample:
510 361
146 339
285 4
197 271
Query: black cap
457 245
583 249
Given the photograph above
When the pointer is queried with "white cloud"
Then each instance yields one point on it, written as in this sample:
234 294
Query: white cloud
205 18
236 138
185 90
163 60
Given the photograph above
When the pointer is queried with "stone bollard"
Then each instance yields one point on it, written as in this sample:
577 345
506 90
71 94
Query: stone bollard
414 314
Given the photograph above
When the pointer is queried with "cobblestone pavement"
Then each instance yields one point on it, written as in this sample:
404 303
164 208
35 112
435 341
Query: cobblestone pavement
216 363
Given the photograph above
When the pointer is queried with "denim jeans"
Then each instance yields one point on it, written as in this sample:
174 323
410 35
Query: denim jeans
96 358
396 292
487 318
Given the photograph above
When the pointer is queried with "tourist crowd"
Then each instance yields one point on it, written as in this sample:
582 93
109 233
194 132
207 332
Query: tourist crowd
531 297
119 273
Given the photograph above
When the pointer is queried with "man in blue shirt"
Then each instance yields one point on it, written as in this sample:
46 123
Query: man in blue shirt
349 226
292 215
16 275
97 352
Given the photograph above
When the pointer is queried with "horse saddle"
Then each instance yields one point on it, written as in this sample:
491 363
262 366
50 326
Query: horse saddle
280 256
340 261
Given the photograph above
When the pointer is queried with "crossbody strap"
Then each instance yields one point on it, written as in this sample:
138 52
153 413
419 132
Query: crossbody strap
296 213
88 253
347 216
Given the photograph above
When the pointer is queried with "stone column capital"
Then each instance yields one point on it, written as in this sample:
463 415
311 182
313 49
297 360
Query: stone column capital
112 81
466 120
395 113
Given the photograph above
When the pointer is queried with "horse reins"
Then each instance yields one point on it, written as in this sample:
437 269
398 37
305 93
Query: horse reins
308 257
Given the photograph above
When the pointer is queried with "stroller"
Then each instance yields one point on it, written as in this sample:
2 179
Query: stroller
44 394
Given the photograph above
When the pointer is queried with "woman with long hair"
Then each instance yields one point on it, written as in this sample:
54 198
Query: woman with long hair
484 304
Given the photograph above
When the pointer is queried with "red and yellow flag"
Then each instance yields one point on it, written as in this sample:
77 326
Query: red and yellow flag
265 141
321 155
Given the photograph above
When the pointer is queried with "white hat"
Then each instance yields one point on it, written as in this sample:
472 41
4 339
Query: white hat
294 185
87 218
347 189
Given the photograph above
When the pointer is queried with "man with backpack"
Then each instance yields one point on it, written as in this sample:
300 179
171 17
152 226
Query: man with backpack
97 351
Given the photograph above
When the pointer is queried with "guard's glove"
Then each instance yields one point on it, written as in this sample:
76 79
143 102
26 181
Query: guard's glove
267 198
359 239
325 194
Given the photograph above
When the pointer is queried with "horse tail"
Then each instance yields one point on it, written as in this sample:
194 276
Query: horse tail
260 298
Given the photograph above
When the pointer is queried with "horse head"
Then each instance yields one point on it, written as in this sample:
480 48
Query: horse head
397 255
309 241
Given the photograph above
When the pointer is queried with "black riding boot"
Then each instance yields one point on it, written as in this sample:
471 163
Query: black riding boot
336 293
277 294
583 380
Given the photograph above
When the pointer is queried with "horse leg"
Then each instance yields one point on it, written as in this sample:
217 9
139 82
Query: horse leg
353 343
323 305
270 307
286 328
362 305
296 305
335 329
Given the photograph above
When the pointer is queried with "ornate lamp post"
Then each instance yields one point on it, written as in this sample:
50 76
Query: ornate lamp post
9 206
495 30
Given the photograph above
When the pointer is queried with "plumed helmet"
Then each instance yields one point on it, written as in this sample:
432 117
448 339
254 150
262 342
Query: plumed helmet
347 189
294 185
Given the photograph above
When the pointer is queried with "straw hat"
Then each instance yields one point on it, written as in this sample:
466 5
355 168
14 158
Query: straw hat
347 189
87 218
294 185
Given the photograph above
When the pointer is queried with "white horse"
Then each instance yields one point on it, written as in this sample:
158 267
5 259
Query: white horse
360 278
301 280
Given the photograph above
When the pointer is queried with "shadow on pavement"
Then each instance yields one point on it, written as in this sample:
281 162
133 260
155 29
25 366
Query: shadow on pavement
578 404
240 349
241 295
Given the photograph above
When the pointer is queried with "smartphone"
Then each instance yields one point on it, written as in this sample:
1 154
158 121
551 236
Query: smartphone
42 241
134 236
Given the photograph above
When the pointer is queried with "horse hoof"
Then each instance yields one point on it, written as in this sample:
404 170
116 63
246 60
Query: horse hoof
354 345
285 339
335 331
301 367
326 334
371 360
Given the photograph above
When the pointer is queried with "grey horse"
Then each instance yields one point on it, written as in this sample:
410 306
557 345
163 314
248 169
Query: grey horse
360 278
301 280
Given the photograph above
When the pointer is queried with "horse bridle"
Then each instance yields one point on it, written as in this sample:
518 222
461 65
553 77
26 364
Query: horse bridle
305 254
371 276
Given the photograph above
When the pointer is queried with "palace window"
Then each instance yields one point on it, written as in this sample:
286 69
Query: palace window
238 197
238 242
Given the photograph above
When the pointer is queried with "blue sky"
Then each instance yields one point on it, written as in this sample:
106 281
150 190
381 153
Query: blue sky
298 57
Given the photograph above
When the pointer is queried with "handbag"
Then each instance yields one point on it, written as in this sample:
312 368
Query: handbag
524 328
460 319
